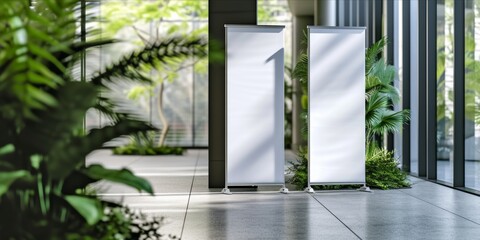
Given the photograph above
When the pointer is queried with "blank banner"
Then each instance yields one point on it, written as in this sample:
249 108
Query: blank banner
336 105
255 102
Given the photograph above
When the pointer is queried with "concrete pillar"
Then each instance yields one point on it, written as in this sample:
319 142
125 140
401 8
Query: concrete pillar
221 12
300 24
325 12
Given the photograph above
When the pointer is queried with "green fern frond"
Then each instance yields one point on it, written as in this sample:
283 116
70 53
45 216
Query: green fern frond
163 51
300 71
373 53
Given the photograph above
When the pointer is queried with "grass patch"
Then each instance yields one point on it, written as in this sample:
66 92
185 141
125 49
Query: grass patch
140 150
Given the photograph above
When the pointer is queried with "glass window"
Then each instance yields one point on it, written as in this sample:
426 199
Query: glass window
398 62
178 97
472 94
414 86
445 90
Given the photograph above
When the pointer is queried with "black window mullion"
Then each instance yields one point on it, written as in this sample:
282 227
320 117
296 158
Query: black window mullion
377 22
347 13
459 94
422 76
390 29
431 89
406 85
370 18
362 16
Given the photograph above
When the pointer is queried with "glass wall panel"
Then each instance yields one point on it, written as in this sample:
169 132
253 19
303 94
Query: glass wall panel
92 118
177 99
414 86
472 94
445 90
398 62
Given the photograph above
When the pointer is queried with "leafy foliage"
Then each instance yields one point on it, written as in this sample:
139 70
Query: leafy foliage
380 95
43 144
382 170
299 169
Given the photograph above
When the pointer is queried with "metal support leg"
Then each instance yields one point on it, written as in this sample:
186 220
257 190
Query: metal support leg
309 189
226 191
364 188
284 190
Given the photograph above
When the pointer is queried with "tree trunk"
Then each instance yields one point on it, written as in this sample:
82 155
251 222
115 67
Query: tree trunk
161 115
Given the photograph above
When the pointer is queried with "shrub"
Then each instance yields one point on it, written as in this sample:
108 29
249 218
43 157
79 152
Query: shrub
299 169
380 168
382 171
122 223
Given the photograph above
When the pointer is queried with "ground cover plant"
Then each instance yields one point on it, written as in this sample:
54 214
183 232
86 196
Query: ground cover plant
143 143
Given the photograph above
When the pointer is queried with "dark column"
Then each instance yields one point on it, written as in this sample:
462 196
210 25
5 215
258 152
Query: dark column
406 85
422 88
389 54
347 13
362 13
431 89
377 20
459 94
221 12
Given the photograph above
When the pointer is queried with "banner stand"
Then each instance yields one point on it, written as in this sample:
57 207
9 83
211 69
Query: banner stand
364 188
227 191
336 109
254 106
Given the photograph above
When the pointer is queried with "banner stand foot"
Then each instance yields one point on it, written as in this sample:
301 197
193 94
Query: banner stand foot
309 190
364 189
284 190
226 191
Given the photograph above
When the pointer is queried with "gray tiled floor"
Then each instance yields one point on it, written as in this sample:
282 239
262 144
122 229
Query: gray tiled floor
425 211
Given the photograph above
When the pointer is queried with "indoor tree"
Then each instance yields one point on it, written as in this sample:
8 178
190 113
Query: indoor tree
144 22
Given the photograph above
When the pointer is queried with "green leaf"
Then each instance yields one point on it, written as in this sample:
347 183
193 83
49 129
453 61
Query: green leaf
123 176
41 95
9 148
89 208
7 178
46 55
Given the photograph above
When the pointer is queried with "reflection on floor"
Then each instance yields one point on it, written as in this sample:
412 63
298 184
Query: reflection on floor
425 211
472 173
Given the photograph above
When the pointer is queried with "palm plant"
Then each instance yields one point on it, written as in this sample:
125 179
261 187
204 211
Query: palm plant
43 145
380 95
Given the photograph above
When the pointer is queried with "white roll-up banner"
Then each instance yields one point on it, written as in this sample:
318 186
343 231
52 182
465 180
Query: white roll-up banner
254 105
336 118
